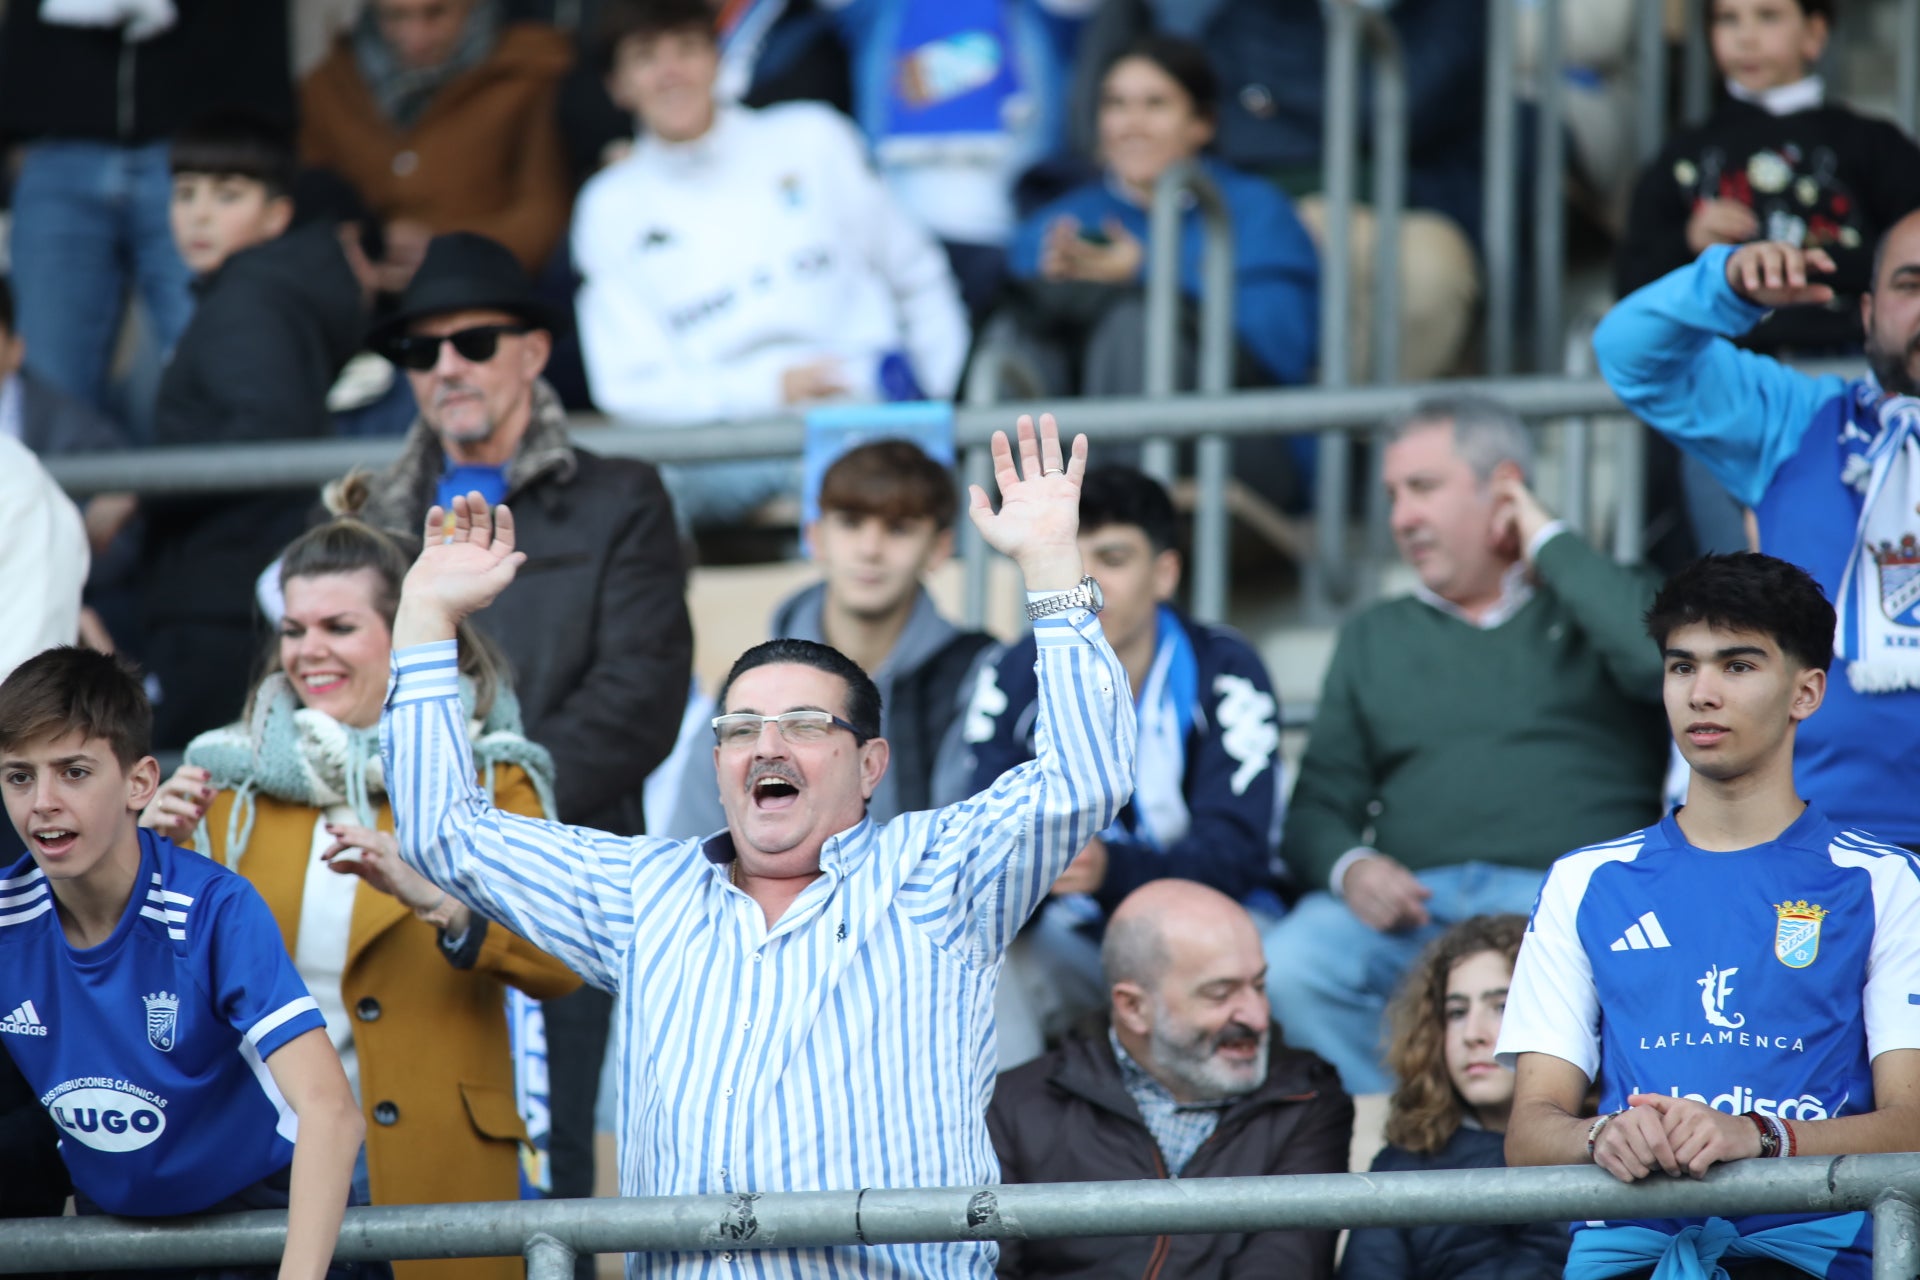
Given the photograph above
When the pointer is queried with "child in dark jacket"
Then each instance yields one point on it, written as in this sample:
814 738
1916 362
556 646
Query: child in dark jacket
1775 161
1449 1111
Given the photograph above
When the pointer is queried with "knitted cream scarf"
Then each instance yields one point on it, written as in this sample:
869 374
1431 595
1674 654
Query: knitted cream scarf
306 757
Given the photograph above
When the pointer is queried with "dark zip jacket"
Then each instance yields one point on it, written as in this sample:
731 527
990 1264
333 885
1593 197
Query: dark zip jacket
1067 1117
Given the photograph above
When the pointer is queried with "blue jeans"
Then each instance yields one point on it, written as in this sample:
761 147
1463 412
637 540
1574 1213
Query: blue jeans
1330 974
89 226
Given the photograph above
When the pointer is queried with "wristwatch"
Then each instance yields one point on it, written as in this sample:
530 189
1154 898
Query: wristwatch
1085 596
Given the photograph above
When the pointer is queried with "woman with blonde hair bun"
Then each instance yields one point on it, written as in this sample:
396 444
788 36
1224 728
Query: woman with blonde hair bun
1449 1111
413 984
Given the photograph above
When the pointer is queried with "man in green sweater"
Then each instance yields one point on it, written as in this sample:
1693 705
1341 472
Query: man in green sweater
1467 735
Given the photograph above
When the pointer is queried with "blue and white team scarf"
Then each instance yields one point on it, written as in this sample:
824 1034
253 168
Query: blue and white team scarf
1878 632
1164 713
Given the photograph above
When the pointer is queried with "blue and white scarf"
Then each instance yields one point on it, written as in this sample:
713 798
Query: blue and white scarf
1878 631
1165 709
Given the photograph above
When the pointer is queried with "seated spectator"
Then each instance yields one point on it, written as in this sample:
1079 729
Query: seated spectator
94 107
1449 1111
412 983
596 630
442 115
279 314
1270 60
1085 255
1187 1082
1464 732
1775 161
741 261
886 521
1777 1021
957 102
196 963
43 569
1206 795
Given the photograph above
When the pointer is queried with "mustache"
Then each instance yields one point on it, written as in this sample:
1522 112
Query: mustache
773 769
447 390
1237 1035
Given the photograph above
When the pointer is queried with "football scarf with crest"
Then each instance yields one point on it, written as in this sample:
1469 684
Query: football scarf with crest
1878 631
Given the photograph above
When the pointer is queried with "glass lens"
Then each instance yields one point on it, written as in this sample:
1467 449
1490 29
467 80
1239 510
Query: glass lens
477 345
736 730
806 726
421 351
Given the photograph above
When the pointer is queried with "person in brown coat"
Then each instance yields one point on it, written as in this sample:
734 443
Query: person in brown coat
443 119
1189 1082
412 983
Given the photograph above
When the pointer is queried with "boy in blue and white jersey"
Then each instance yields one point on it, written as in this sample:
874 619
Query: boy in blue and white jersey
1736 979
145 992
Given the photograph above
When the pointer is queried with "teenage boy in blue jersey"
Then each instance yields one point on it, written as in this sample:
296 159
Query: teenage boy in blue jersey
145 992
1830 467
1775 1023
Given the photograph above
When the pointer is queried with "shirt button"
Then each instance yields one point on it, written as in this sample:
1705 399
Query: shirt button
726 1257
368 1009
386 1113
756 957
404 163
727 1092
746 1024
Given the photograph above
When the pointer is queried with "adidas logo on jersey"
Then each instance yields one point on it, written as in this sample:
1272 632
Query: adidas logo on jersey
24 1021
1644 934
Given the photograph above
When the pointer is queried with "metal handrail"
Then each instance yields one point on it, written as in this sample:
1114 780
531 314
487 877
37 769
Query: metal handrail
1181 183
551 1232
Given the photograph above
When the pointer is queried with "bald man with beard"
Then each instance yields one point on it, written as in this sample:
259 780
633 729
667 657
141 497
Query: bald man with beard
1188 1080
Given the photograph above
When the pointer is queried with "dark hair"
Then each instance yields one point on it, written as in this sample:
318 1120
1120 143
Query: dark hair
892 479
1747 591
6 305
1425 1110
1123 495
70 689
863 696
624 20
234 143
1808 9
347 544
1185 62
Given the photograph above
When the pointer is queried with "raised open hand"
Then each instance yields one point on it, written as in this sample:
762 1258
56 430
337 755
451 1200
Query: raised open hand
463 566
1039 514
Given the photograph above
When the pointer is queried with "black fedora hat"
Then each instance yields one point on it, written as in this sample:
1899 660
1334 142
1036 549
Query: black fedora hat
466 271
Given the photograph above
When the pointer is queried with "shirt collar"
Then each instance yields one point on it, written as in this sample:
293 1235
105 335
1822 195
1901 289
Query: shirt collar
1783 99
1516 590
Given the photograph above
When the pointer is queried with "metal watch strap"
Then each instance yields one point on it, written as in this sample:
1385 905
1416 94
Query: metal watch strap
1079 596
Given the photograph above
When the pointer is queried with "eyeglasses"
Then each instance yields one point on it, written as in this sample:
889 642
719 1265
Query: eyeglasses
421 351
742 728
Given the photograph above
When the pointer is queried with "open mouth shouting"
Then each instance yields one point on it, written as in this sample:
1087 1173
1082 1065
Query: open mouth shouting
773 788
54 842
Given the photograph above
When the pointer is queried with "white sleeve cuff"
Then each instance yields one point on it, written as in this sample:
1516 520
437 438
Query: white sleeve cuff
1337 878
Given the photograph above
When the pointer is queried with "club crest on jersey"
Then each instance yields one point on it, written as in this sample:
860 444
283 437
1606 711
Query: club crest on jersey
163 1013
1796 934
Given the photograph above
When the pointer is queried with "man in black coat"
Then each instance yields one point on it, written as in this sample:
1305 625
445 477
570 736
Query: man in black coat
1189 1082
595 623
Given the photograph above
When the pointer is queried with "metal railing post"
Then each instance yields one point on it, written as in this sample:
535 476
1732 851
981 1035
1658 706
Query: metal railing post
1163 316
1896 1238
1630 462
1389 145
1696 94
1650 52
1499 217
1330 575
548 1259
993 364
1549 198
1213 452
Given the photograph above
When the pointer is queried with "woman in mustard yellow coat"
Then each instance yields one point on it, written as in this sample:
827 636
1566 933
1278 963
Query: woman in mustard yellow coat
412 983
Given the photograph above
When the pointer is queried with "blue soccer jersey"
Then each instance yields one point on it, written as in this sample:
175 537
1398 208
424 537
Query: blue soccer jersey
149 1049
1763 979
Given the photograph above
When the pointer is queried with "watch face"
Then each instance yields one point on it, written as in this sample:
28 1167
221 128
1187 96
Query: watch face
1094 595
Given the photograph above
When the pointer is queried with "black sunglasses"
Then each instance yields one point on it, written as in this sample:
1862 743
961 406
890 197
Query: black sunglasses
421 351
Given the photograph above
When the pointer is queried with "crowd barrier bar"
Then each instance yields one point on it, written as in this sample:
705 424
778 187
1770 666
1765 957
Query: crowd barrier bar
551 1232
1499 217
1181 183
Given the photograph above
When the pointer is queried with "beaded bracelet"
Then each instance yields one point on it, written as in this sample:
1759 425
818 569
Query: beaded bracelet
1599 1123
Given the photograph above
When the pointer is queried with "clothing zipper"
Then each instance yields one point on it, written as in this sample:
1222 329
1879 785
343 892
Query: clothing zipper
1161 1244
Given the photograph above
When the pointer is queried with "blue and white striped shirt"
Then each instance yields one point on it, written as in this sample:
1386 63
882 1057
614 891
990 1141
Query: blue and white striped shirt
852 1044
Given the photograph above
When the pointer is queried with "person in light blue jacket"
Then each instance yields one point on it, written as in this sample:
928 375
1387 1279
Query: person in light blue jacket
1831 469
1157 109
